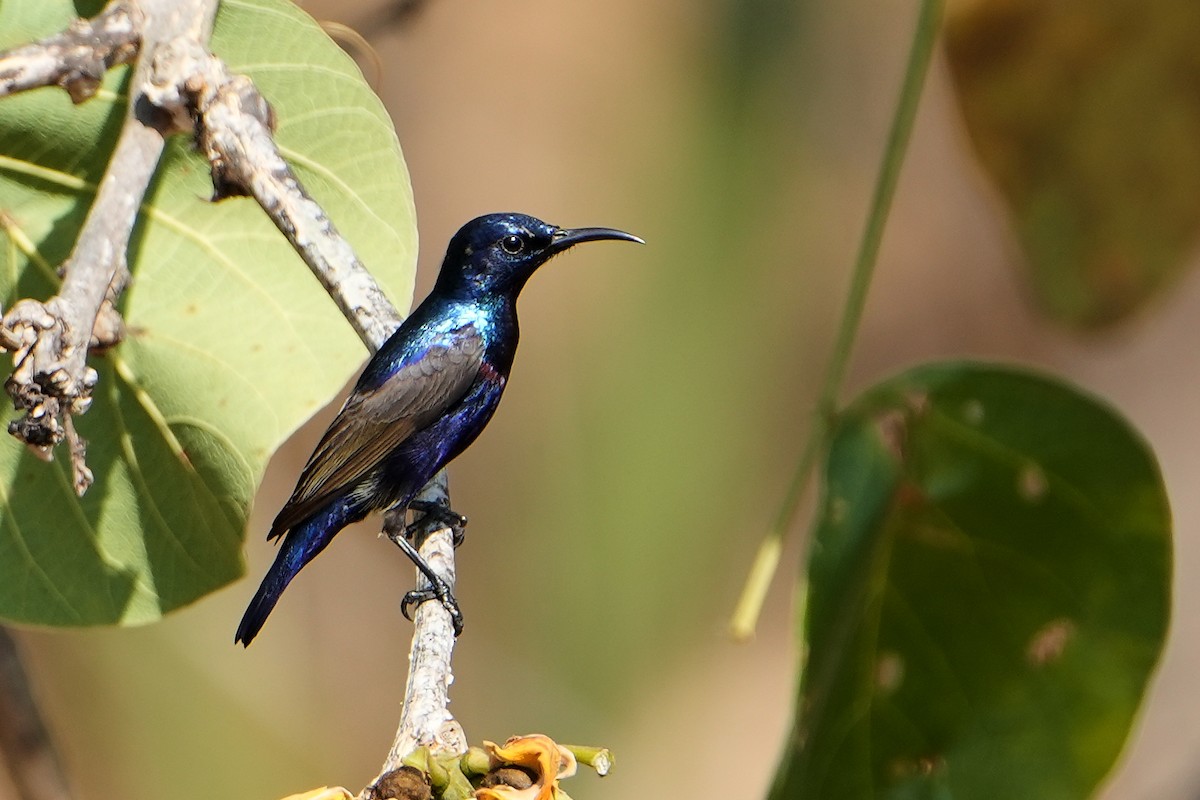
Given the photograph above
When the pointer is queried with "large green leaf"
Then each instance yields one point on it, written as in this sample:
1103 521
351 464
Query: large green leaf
989 592
232 342
1085 114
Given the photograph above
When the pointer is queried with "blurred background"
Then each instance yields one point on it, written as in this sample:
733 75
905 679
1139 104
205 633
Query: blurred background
656 412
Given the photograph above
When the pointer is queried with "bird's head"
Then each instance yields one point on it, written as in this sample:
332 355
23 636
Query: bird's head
496 253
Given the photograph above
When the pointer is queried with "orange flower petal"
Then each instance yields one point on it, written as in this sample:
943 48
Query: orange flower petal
537 753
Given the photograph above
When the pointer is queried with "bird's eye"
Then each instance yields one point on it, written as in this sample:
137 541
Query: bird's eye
512 244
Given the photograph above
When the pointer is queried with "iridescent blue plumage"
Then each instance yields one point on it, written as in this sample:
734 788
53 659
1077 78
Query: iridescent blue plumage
423 398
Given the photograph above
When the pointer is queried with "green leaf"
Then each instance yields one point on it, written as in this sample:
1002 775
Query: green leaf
232 342
1085 115
989 592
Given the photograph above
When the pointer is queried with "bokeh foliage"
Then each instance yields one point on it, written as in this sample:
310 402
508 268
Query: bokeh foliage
1085 116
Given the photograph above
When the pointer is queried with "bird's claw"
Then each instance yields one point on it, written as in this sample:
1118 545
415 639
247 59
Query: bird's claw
436 512
440 592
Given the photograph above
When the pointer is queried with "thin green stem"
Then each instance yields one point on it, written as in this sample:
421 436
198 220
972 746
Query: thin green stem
920 54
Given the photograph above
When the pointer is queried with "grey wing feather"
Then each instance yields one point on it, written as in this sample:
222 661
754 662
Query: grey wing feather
371 424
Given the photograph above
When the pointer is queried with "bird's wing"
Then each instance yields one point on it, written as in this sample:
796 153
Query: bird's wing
374 422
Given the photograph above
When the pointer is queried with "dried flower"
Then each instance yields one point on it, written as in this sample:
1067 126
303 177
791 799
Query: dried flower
535 756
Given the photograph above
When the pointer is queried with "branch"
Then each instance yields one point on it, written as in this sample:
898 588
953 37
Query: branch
77 58
233 128
234 124
180 86
29 755
425 718
389 16
51 380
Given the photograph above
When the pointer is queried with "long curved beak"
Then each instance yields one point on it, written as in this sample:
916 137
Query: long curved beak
569 237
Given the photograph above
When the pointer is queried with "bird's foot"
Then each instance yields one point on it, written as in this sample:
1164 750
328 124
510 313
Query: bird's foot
441 592
438 589
436 512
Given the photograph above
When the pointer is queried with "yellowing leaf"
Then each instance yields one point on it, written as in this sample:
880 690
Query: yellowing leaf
1085 115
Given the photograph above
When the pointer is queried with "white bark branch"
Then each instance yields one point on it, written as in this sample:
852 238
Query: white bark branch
234 124
51 379
425 719
77 58
233 129
180 86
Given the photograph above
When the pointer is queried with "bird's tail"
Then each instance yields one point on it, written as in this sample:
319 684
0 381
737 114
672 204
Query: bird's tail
300 545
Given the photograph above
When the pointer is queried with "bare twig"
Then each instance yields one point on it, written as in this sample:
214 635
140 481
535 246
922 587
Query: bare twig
29 755
186 88
51 379
233 129
425 719
389 16
77 58
234 124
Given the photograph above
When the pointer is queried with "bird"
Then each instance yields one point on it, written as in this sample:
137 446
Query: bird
421 400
